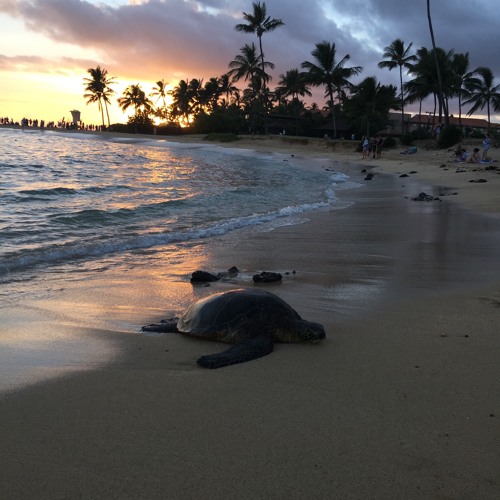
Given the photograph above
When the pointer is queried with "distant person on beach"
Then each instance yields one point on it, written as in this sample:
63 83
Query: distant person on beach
464 155
437 131
486 147
474 157
364 146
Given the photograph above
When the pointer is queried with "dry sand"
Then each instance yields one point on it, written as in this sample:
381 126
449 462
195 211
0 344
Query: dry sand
402 400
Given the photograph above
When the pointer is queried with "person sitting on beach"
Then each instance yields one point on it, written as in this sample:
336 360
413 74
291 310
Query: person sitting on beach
463 156
474 157
409 151
458 151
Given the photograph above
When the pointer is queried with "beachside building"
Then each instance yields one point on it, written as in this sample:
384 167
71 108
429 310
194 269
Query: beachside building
470 126
76 117
394 127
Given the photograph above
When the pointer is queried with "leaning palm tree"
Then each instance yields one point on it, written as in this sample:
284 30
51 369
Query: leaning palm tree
325 70
97 89
398 56
485 93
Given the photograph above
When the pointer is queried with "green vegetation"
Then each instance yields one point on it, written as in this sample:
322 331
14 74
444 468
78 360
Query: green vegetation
218 106
449 136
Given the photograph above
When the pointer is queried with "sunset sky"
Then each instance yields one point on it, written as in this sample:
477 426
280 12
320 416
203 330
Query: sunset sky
46 46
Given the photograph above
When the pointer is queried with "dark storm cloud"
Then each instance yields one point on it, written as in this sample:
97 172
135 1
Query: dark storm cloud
196 39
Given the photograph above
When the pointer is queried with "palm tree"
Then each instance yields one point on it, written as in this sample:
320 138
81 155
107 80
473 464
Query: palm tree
246 65
134 96
369 105
97 89
397 55
209 95
485 93
259 23
464 80
160 92
188 99
426 80
326 71
226 87
181 105
293 84
416 90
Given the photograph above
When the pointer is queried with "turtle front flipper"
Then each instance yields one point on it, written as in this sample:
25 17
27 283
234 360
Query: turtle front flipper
244 350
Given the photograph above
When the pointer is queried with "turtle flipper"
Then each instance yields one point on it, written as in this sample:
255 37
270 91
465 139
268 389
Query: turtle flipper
245 350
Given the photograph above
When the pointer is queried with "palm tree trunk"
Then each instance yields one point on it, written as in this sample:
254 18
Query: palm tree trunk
438 70
102 112
107 115
402 101
264 89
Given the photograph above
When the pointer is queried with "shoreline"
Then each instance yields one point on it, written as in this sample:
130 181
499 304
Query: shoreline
401 400
434 167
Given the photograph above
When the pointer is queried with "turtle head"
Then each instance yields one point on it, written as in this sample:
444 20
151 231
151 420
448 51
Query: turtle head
307 331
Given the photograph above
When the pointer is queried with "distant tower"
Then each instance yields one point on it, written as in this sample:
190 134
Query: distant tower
76 117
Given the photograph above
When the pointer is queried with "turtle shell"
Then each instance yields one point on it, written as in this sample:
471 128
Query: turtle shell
229 316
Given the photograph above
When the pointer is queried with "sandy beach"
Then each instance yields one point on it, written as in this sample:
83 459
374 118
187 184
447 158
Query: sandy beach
401 401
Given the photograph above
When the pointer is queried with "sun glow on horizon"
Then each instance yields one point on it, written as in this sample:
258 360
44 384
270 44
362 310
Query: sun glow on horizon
51 96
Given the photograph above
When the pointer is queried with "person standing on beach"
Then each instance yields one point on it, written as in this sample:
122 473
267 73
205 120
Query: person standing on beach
437 131
486 147
364 146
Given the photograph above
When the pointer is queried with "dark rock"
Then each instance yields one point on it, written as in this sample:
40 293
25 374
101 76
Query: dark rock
425 197
203 277
267 277
478 180
404 175
369 177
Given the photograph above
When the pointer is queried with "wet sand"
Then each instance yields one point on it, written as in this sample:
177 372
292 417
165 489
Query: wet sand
402 400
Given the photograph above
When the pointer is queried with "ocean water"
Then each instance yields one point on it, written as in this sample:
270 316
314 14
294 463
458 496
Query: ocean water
77 203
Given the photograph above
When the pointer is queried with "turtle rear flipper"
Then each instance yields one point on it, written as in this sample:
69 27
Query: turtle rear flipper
245 350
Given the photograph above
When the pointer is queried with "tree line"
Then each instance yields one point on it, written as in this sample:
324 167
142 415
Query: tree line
218 105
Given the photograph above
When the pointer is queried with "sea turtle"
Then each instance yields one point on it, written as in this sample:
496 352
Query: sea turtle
251 319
